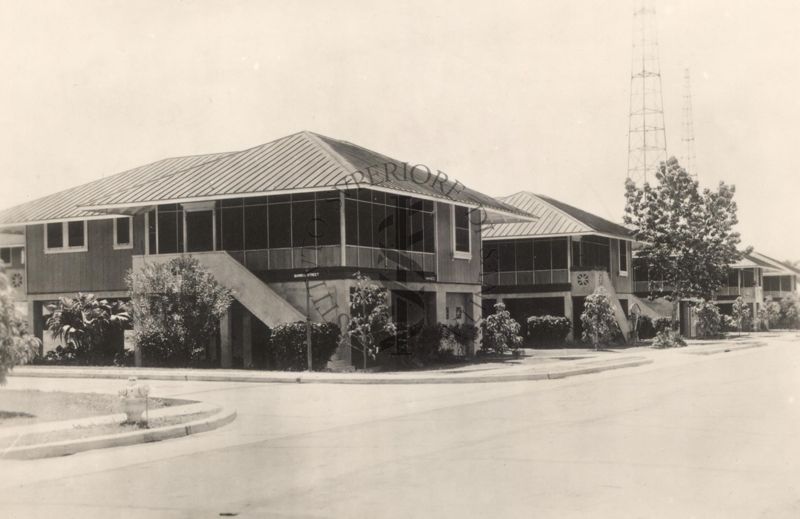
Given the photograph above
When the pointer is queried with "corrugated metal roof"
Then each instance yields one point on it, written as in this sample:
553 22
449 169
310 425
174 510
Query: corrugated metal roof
780 266
65 204
752 260
555 219
300 161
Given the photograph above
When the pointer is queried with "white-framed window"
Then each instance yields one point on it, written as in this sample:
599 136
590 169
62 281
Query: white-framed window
65 237
5 255
123 232
461 236
623 257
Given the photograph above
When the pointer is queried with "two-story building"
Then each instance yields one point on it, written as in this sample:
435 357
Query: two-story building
780 281
286 225
550 265
746 279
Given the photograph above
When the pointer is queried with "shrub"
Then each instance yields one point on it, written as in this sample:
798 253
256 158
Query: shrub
177 307
425 344
771 313
548 329
645 328
458 337
17 346
93 326
789 313
728 323
500 331
742 315
124 358
598 320
668 339
709 321
288 347
664 323
370 322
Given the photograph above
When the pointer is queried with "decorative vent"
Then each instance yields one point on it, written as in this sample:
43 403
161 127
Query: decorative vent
583 279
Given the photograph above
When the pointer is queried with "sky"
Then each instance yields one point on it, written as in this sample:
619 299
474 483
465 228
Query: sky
518 95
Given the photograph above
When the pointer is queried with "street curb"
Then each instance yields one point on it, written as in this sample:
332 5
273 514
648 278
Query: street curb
729 349
345 380
65 448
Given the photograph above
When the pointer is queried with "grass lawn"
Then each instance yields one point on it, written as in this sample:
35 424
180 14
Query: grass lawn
26 407
96 430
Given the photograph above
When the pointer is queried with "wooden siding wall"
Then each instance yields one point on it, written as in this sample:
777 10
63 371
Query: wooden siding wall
453 270
622 284
101 268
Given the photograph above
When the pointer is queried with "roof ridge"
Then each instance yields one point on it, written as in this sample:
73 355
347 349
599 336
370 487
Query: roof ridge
549 198
318 139
564 213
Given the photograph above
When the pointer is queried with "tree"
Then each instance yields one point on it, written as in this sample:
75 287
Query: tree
687 237
790 315
709 320
500 331
370 320
597 319
88 323
17 346
176 307
741 313
769 314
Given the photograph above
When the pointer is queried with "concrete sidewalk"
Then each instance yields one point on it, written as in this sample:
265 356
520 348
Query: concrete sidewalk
524 368
535 365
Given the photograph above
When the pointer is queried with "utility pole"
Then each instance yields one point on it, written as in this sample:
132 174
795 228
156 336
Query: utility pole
647 138
689 159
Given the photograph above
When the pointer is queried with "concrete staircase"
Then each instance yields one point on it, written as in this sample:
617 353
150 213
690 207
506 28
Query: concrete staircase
604 280
259 299
655 309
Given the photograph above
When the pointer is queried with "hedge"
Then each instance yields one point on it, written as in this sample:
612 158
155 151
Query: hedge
288 345
548 329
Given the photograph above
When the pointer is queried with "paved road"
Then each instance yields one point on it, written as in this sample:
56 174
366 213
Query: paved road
687 436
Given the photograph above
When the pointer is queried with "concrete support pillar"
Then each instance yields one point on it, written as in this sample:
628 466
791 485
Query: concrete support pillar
441 306
474 312
226 340
35 322
568 313
342 294
247 340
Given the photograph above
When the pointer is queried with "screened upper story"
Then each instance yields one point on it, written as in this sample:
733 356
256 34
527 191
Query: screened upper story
780 283
541 261
356 228
525 261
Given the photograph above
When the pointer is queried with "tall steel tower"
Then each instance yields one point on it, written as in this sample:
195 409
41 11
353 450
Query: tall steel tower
688 157
647 137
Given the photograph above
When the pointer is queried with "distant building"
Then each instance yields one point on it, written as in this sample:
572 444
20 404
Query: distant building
549 266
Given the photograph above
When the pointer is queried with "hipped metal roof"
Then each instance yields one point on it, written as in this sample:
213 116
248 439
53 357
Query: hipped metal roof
66 205
775 266
555 218
303 161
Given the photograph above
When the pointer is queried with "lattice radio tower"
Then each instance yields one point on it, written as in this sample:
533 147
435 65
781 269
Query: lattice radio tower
647 137
688 158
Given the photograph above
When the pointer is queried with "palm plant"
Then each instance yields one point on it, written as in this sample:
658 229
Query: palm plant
87 323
